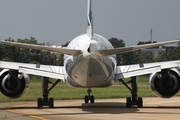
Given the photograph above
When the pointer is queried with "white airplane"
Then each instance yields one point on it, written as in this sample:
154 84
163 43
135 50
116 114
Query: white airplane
89 62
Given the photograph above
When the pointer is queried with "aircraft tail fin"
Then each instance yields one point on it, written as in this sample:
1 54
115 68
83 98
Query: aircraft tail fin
89 19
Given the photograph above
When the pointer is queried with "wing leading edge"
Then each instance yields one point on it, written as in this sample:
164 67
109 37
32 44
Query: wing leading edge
63 50
77 52
133 48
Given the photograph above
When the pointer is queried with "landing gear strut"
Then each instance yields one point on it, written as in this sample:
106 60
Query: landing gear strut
45 101
89 97
134 100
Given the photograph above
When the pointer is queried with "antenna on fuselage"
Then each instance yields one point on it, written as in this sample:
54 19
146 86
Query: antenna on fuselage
89 19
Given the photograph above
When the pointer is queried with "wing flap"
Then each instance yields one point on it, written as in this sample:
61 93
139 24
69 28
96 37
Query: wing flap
137 72
56 72
133 48
127 71
40 72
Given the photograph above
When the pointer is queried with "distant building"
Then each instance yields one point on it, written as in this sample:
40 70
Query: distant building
157 51
55 46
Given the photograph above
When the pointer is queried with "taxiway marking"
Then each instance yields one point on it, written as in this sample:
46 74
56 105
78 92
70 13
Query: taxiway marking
10 109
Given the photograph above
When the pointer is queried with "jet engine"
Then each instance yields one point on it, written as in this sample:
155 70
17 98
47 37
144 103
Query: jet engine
166 83
13 84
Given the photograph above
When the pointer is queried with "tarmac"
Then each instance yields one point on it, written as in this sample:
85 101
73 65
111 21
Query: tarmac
103 109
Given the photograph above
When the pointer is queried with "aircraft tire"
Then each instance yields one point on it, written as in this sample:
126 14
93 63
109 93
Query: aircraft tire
128 102
39 103
92 99
86 99
51 102
140 102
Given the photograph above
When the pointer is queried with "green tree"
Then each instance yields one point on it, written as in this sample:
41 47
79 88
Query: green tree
26 55
146 57
171 54
163 56
174 54
116 44
146 42
66 44
129 58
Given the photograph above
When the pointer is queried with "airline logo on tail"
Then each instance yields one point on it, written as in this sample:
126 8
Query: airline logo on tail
89 20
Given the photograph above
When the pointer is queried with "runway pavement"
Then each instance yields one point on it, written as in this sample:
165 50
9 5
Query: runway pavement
102 109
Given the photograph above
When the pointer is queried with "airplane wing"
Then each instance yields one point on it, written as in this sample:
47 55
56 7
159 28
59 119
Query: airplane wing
128 71
56 72
62 50
67 51
133 48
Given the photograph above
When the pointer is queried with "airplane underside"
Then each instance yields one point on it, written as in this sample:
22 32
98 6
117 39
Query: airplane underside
90 72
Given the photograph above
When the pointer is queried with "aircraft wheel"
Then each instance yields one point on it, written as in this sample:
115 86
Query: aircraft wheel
51 102
86 99
92 99
39 102
128 102
140 102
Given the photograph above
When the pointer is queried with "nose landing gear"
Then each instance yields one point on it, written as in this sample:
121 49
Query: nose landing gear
89 97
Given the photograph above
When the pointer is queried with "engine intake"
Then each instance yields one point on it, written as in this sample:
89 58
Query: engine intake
166 83
13 84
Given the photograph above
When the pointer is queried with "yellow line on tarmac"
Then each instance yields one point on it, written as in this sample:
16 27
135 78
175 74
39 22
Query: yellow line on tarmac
9 109
38 117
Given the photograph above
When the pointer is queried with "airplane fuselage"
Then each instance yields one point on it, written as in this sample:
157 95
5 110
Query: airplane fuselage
90 68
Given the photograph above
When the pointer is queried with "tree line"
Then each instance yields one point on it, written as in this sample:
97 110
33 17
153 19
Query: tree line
140 56
26 55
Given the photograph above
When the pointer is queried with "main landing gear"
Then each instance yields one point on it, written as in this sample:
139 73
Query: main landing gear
89 97
45 101
134 100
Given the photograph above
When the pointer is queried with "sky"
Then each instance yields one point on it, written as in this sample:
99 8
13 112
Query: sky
60 21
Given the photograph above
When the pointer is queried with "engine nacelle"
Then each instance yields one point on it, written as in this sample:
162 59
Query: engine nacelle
166 83
13 84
